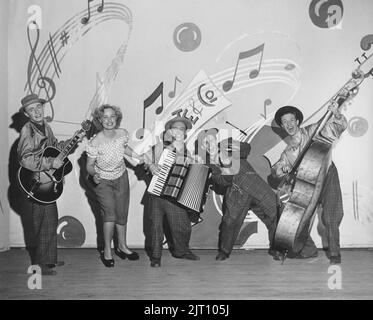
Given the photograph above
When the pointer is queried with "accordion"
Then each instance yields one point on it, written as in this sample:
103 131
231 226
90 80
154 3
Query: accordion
184 183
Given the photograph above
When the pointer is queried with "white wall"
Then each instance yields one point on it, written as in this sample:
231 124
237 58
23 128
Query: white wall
4 214
323 59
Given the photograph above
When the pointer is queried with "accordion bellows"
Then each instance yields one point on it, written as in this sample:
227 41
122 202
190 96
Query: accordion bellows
184 183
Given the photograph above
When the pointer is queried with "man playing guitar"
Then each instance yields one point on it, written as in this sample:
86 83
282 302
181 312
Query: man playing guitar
35 136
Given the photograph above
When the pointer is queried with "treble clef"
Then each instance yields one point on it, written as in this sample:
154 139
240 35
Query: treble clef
42 80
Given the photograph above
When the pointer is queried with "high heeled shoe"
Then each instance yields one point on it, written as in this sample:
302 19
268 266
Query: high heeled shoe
132 256
109 263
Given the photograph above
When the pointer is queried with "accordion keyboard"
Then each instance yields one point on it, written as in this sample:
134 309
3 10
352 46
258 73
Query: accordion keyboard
158 181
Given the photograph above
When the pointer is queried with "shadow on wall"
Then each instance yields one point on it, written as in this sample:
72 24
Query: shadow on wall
88 185
142 175
18 200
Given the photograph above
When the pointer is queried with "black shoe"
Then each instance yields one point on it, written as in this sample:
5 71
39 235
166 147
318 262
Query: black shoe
277 255
109 263
46 271
57 264
132 256
188 256
155 263
221 256
335 259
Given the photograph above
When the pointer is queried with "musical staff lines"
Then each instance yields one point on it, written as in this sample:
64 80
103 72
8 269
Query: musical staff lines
272 71
71 32
53 55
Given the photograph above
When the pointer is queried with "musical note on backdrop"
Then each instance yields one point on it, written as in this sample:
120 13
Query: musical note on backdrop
290 66
267 102
158 92
100 8
244 55
85 20
43 82
172 93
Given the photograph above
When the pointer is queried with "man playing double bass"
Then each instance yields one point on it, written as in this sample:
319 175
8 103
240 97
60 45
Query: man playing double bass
289 119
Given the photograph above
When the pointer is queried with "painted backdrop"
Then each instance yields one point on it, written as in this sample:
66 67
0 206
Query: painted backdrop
225 64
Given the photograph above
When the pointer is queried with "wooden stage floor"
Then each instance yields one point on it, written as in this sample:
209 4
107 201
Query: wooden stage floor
245 275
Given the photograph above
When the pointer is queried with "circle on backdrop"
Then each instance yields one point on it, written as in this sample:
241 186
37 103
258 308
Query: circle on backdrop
357 126
187 37
326 13
70 232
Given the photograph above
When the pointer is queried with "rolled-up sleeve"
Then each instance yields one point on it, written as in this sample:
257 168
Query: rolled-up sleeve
277 167
334 128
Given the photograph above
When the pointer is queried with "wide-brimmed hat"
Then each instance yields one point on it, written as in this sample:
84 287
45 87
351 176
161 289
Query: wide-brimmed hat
187 122
288 109
30 99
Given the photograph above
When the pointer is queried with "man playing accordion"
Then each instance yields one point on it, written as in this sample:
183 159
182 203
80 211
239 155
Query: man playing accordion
160 208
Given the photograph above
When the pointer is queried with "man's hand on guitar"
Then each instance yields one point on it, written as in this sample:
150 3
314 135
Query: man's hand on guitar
57 163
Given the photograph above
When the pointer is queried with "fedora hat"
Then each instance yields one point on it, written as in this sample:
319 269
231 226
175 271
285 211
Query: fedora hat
30 99
288 109
187 122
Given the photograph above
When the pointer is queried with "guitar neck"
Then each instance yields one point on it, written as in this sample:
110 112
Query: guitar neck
67 149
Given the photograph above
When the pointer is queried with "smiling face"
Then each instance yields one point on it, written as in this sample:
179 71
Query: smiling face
290 124
35 111
109 119
178 130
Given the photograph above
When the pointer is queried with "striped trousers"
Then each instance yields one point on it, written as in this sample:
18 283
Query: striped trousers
178 221
248 191
45 220
331 216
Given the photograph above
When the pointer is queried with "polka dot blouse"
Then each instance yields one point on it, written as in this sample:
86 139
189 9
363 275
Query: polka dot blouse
109 157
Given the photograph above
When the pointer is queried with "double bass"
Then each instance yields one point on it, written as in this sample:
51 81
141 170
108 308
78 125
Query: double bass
302 186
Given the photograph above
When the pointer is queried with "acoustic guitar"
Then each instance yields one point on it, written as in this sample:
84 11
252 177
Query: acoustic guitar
47 186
